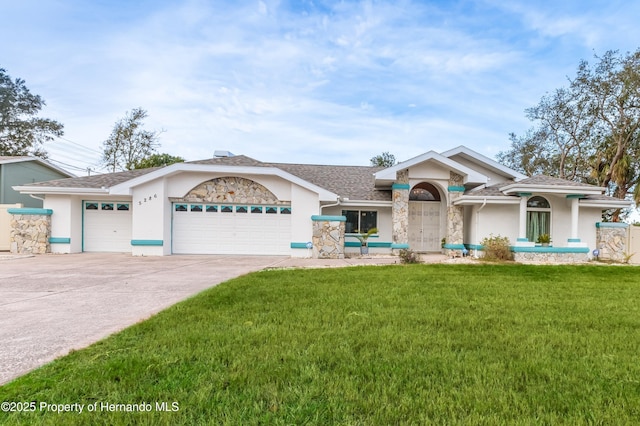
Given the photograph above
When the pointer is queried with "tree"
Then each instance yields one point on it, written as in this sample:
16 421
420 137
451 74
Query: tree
128 142
590 131
21 131
383 160
157 160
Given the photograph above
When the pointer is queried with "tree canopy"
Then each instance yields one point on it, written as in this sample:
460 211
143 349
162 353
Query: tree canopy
22 132
157 160
129 143
383 160
588 131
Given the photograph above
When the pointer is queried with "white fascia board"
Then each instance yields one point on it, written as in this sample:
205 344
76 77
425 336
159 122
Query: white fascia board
486 161
39 161
613 204
514 188
365 203
470 175
59 190
126 188
478 199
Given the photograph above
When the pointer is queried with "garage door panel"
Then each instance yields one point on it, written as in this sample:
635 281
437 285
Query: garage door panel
106 230
231 231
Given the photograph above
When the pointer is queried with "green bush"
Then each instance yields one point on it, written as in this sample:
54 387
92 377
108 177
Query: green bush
496 248
409 256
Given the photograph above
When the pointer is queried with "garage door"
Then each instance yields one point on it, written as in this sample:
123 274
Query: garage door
107 226
231 229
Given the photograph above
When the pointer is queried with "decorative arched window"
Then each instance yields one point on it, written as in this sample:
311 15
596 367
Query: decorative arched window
538 218
424 192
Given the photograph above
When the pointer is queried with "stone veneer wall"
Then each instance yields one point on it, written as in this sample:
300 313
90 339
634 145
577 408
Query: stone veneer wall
232 190
400 209
455 215
552 258
30 233
328 238
611 240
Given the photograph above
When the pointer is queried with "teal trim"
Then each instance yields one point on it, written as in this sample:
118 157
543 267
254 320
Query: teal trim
319 218
298 245
352 243
570 196
550 249
474 247
523 240
147 242
59 240
524 194
399 246
573 240
456 188
31 211
605 224
379 244
400 186
454 246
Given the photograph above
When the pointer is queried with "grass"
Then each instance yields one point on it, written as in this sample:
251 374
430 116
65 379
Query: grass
419 344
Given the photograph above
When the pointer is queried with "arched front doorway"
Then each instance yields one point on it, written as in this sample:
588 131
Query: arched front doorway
424 218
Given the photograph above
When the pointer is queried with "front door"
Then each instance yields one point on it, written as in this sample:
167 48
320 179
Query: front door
424 225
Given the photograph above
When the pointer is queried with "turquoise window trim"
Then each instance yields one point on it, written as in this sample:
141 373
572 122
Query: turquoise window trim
573 240
352 243
325 218
31 211
456 189
147 242
611 225
474 247
380 244
59 240
454 246
550 249
399 246
401 186
570 196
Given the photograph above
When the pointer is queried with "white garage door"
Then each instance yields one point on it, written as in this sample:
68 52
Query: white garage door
107 226
231 229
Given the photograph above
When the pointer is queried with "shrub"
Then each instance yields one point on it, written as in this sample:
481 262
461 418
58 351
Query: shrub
497 248
409 256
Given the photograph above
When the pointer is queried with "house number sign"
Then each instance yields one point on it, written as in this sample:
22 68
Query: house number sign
149 198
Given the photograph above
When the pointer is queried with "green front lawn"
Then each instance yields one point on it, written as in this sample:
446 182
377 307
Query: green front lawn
444 344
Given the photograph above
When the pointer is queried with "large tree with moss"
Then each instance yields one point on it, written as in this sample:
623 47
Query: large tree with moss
22 132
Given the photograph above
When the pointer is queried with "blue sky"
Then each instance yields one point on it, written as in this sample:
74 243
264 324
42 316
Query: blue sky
328 82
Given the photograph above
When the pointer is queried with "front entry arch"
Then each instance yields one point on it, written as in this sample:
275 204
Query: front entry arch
424 218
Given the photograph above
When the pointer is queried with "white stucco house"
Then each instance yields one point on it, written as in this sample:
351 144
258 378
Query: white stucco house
237 205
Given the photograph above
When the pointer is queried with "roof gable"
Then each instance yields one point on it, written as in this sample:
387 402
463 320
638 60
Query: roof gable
25 158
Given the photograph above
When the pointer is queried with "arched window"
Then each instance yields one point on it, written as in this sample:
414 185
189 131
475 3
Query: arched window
538 218
424 192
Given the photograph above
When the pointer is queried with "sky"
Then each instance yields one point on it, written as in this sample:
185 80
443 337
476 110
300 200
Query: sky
320 82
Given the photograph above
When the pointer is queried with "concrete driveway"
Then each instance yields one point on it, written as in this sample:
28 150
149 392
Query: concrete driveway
50 304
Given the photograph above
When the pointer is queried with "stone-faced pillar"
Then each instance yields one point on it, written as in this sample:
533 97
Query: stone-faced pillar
400 211
611 240
455 217
328 237
30 230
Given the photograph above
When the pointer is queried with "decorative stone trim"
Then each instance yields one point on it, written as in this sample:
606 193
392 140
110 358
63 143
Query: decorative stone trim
328 237
30 232
611 240
551 257
455 217
233 190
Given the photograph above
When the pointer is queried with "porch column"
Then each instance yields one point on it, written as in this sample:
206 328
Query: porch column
455 217
575 210
400 211
522 220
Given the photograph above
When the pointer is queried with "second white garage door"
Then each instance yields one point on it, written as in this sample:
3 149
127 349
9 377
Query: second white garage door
231 229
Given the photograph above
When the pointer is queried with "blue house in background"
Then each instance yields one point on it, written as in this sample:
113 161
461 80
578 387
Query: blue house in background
24 170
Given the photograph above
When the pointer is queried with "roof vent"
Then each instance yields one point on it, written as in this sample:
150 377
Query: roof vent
223 154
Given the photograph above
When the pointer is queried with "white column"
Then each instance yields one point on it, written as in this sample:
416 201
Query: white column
522 228
574 217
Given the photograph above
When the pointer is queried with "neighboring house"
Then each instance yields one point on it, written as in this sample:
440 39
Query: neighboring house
20 171
238 205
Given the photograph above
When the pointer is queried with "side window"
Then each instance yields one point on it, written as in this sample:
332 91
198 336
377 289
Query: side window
360 220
